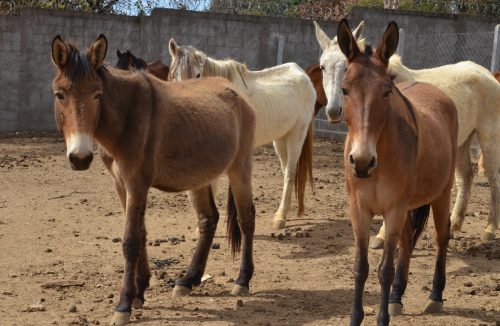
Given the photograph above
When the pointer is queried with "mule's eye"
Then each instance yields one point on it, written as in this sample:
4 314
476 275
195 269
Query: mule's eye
59 96
322 67
97 96
386 94
344 91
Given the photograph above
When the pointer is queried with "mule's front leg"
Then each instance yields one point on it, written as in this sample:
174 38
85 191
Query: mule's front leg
132 246
395 220
208 216
361 220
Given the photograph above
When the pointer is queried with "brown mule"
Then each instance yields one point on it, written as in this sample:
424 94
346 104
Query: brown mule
316 75
399 161
170 136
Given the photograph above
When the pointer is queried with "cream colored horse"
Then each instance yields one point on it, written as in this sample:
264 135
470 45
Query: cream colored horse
283 97
476 94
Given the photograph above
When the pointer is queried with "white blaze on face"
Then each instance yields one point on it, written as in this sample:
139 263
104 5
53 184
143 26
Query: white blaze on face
79 144
333 63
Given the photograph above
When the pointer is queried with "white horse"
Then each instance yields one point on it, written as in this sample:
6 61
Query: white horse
283 97
476 94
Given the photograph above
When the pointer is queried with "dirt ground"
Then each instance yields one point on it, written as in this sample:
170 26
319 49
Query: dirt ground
61 225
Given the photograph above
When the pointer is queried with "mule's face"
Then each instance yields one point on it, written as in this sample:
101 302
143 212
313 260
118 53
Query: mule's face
333 65
186 63
77 91
123 62
367 88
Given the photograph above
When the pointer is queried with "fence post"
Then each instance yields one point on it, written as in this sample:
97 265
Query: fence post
495 57
279 53
401 45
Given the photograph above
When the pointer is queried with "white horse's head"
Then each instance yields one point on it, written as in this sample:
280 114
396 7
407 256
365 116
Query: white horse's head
332 64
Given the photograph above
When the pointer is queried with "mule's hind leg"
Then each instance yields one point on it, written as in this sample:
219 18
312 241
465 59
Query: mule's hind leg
143 274
440 211
241 187
463 180
208 216
294 141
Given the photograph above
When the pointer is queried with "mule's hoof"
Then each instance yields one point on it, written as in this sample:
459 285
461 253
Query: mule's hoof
239 290
488 236
120 318
377 243
433 307
137 303
279 224
395 309
181 291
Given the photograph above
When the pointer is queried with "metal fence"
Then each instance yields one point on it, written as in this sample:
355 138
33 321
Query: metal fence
481 47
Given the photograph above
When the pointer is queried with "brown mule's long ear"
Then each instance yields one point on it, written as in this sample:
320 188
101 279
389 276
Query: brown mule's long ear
98 51
118 53
173 48
389 43
323 39
347 42
59 52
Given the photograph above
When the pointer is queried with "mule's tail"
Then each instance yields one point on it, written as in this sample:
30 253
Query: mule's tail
418 219
233 228
303 173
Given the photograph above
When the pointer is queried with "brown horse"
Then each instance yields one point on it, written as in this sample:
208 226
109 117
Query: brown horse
316 75
128 61
399 161
170 136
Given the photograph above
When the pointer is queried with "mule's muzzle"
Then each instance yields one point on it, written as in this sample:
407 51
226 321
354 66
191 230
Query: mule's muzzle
80 163
362 168
334 115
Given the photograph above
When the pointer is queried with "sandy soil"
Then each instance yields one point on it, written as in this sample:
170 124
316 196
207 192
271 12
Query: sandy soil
61 225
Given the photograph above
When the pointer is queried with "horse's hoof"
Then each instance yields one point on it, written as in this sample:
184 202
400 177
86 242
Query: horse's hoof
377 243
395 309
433 307
239 290
120 318
196 233
455 226
137 303
181 291
488 236
279 224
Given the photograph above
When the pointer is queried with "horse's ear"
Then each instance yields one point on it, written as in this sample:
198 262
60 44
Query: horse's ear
389 43
323 39
98 51
118 53
359 30
173 48
59 52
346 40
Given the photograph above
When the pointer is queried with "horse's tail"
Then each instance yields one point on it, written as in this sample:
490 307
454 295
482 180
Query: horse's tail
233 229
418 219
304 169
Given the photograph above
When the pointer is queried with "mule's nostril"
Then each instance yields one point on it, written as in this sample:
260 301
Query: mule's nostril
80 163
351 159
372 163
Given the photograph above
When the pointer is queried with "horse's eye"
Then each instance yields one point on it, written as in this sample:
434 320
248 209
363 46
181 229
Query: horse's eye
386 94
59 96
198 75
344 91
97 96
322 67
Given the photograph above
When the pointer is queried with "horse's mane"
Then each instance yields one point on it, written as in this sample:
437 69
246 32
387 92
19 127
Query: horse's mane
227 68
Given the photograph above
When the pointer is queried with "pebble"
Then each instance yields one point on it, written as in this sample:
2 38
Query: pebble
6 293
215 245
72 308
48 250
34 307
111 296
299 234
239 303
116 240
468 284
230 280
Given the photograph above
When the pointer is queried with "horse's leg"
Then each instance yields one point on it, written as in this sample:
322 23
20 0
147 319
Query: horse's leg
361 220
294 141
132 248
241 186
280 146
378 241
492 170
463 180
395 220
402 268
440 212
480 165
208 216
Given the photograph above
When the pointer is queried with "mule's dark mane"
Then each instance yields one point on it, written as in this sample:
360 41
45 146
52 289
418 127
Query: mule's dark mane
77 66
368 50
